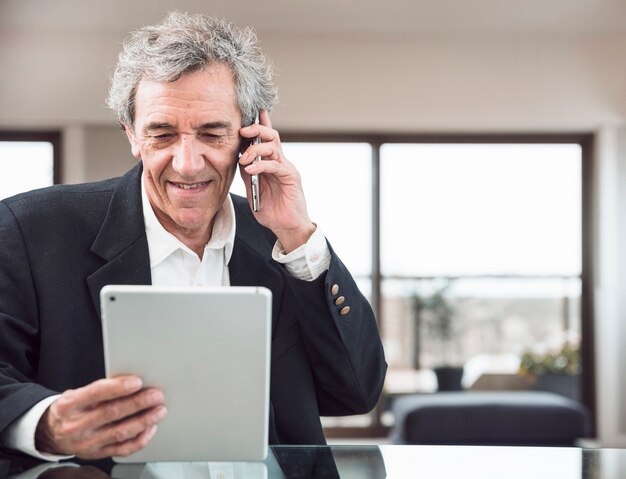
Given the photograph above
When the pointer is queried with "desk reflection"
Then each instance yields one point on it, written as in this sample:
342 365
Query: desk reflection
192 470
366 462
282 462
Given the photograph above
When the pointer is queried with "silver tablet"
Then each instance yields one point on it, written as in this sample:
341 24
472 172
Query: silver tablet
208 349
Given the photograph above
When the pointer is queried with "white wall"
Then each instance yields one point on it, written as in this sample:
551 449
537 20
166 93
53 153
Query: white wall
354 82
448 84
379 83
108 151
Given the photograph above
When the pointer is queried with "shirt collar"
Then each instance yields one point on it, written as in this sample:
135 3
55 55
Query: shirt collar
161 243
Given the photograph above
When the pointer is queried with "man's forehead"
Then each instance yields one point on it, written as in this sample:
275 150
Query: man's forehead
206 95
213 79
172 92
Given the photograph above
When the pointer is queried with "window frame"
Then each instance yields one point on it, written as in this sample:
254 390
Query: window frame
376 140
50 136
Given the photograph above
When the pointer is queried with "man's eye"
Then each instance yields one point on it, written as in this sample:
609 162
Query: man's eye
210 136
163 136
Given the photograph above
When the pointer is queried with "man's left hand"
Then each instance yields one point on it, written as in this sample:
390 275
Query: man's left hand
281 198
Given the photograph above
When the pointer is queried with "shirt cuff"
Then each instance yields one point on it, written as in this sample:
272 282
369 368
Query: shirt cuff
20 435
308 261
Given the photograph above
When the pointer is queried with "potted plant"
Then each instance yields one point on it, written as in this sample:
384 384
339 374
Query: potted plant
556 370
437 316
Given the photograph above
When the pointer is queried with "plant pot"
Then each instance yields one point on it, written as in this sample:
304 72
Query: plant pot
449 378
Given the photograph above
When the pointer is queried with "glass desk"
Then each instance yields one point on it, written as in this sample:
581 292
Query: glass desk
422 462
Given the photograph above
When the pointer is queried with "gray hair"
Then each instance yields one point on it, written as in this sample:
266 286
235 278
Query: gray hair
184 43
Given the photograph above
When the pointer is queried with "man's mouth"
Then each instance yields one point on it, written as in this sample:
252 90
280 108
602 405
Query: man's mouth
190 186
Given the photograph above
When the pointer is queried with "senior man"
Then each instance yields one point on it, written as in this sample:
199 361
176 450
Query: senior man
186 92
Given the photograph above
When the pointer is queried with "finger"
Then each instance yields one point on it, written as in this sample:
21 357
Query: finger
130 446
264 118
263 129
131 427
275 168
267 151
97 392
119 409
265 133
250 131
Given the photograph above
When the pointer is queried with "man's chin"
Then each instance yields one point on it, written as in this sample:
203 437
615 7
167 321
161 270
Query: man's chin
192 220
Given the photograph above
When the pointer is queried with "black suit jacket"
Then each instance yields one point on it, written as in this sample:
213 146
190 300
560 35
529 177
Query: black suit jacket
59 246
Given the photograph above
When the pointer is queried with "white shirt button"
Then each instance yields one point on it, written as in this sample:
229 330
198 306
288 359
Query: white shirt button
314 257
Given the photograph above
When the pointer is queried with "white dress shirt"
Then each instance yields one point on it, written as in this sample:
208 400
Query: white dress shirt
172 263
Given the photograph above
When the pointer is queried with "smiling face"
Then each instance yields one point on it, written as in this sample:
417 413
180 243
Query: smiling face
186 133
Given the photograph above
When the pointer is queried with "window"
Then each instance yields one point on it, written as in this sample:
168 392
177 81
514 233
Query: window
499 226
28 161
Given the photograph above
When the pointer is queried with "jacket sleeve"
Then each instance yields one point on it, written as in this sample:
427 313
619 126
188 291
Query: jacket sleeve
19 325
341 339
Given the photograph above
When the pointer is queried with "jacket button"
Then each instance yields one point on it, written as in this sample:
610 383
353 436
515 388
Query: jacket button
335 289
345 310
340 300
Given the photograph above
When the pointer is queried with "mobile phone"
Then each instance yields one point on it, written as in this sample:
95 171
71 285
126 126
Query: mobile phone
254 179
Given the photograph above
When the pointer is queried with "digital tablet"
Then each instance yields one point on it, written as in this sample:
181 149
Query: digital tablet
208 350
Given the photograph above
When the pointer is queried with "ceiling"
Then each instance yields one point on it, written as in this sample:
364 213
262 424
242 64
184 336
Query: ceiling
333 16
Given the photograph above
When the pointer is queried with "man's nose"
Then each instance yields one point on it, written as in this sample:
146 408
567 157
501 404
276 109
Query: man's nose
188 160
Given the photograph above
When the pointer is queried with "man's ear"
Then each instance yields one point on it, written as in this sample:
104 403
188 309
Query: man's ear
134 144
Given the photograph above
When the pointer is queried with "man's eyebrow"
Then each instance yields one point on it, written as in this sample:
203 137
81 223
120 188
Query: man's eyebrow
212 125
215 125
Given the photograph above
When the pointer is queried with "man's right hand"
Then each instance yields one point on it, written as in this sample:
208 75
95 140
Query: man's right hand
109 417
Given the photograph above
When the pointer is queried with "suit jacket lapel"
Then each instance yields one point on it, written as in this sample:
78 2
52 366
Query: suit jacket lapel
248 267
249 264
122 241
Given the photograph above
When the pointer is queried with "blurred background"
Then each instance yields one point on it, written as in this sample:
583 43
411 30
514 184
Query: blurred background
467 160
